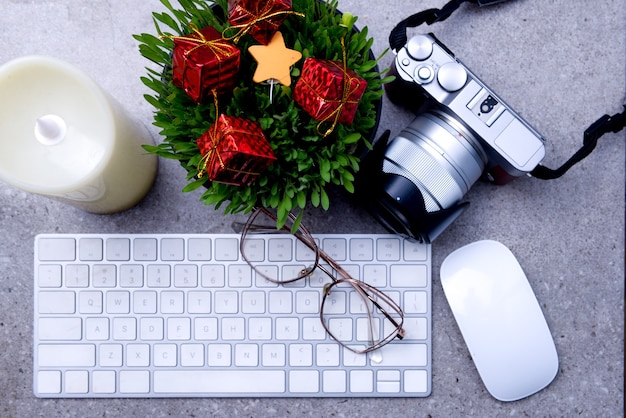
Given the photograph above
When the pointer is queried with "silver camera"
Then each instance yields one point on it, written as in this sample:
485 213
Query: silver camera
462 132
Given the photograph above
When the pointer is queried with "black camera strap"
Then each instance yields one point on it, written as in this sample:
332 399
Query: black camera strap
591 136
615 123
397 38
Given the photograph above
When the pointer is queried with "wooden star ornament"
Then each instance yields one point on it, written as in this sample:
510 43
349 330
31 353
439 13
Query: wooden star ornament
274 61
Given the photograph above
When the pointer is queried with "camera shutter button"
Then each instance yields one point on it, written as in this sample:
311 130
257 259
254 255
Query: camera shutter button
424 74
452 76
420 47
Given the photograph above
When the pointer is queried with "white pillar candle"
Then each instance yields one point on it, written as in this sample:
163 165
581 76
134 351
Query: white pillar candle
62 136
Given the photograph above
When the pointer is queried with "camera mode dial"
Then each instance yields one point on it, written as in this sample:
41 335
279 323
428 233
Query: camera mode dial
420 47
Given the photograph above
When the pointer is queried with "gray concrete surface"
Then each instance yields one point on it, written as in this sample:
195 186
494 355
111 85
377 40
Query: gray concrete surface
559 63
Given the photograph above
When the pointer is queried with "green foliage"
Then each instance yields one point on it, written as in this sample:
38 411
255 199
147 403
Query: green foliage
307 162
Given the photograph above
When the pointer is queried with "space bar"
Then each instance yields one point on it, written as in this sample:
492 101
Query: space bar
222 381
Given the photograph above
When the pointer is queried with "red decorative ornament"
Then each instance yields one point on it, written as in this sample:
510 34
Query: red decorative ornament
328 91
234 151
258 18
204 62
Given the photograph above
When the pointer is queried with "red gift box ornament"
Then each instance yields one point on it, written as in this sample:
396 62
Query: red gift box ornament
234 151
329 92
259 18
203 62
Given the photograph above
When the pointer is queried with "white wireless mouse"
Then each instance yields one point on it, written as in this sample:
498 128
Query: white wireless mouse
500 319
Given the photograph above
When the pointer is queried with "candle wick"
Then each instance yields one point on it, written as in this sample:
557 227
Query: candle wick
50 129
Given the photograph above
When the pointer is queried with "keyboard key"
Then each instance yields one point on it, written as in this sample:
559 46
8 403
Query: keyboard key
253 302
254 249
90 302
416 381
158 275
304 381
213 276
205 329
274 355
218 355
131 275
132 381
172 302
103 275
178 329
57 249
77 275
335 248
138 355
145 302
414 251
301 355
145 249
172 249
192 355
226 249
151 329
199 249
76 381
124 329
361 249
246 355
48 382
287 329
60 329
233 329
415 302
307 302
97 329
199 302
49 275
90 249
239 275
219 381
57 302
280 302
416 328
103 382
118 302
375 275
165 355
66 355
408 275
226 302
327 355
361 381
260 329
110 355
388 249
280 249
186 275
395 355
118 249
334 381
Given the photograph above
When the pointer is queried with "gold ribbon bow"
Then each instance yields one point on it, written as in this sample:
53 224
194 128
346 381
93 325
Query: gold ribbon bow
265 14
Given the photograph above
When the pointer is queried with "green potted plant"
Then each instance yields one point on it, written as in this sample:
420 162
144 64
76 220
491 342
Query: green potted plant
311 155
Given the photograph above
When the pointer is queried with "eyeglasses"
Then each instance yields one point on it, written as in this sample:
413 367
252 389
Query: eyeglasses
375 318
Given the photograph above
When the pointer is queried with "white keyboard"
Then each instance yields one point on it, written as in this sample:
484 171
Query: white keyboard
151 316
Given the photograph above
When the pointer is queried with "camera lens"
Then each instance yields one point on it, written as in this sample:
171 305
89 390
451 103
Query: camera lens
439 156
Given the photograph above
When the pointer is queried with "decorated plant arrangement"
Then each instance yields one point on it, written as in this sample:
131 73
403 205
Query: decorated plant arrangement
263 102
